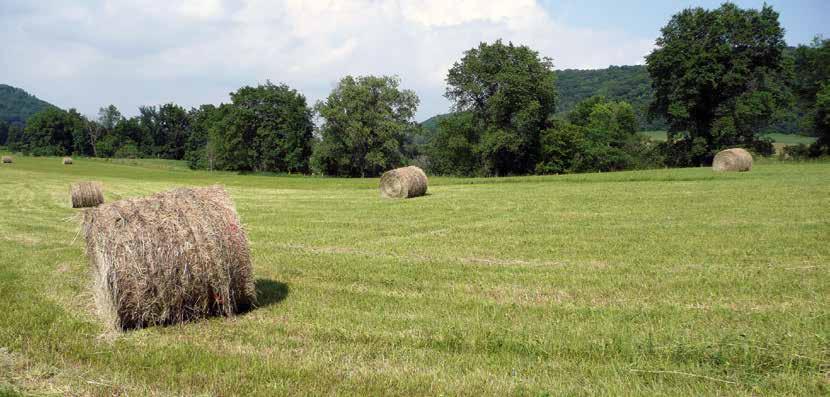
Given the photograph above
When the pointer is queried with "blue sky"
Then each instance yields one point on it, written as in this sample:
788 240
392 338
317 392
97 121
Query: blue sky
88 54
802 19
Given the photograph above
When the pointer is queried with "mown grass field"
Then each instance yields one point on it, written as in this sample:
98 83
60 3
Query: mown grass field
663 282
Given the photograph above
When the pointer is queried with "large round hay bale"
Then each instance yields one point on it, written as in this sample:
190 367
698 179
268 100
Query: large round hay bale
7 159
172 257
736 159
403 182
86 194
67 160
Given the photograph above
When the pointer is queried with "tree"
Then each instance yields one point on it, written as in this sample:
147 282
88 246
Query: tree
265 128
511 93
81 140
453 148
95 131
717 77
366 123
16 140
599 135
152 139
812 86
822 122
108 117
563 145
4 132
52 131
812 70
174 126
200 150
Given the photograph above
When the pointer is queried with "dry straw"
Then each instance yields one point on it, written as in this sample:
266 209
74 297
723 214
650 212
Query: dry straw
86 194
7 159
403 182
172 257
736 159
67 160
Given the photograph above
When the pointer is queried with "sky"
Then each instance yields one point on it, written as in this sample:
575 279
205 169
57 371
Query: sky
89 54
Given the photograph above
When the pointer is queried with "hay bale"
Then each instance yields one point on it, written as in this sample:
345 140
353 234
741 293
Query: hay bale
736 159
67 160
86 194
403 182
172 257
7 159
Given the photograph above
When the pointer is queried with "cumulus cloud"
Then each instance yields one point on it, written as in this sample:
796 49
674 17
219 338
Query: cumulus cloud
130 53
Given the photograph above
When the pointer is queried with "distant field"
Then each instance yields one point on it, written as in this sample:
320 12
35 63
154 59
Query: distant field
785 139
664 282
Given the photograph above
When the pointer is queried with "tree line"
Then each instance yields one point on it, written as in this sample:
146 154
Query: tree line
720 77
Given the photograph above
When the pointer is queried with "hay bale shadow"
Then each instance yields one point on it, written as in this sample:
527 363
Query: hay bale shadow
270 292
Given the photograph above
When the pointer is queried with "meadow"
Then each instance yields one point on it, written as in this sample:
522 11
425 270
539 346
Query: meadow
659 282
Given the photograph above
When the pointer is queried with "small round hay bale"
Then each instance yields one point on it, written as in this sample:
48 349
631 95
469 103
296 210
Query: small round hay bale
736 159
67 161
86 194
403 182
169 258
7 159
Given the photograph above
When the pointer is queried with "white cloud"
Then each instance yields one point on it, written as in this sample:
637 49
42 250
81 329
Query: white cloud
193 52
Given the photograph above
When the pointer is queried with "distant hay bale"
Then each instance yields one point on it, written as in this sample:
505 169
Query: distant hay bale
403 182
7 159
736 159
172 257
67 160
86 194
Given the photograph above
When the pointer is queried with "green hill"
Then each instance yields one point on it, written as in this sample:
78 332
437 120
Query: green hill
17 105
618 83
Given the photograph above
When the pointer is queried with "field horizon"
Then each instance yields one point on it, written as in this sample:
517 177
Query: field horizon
655 282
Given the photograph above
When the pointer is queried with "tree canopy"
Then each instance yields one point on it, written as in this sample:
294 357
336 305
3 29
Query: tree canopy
717 77
55 132
366 122
509 93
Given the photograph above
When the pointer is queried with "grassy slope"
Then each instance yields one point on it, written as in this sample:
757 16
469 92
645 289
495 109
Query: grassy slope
784 139
568 285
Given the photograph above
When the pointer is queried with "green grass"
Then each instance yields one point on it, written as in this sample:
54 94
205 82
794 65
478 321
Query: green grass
663 282
658 136
784 139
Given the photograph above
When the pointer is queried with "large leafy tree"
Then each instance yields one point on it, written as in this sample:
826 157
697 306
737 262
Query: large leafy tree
821 117
174 126
812 86
266 128
200 150
717 77
152 140
366 124
453 149
812 70
53 132
511 93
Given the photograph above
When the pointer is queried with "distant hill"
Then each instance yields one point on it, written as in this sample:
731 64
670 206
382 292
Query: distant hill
618 83
17 105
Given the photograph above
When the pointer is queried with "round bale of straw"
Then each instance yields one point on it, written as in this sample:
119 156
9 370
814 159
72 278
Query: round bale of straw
7 159
169 258
86 194
736 159
403 182
67 161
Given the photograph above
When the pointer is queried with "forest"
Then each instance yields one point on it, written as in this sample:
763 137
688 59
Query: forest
512 113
